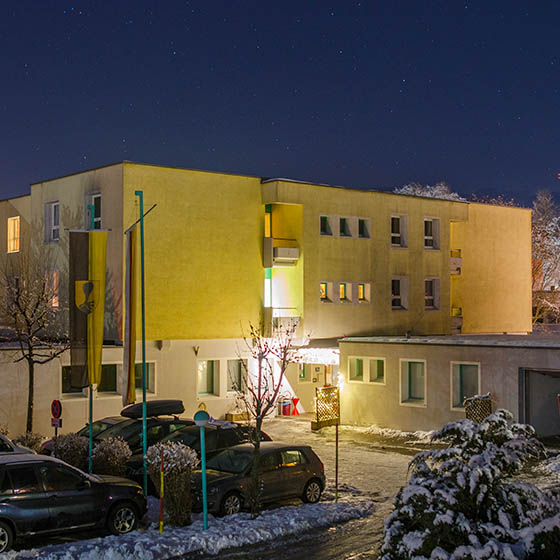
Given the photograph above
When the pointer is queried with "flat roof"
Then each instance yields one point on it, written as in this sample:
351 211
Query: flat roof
499 340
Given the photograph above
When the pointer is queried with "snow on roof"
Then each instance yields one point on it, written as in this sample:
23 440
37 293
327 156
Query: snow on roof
504 341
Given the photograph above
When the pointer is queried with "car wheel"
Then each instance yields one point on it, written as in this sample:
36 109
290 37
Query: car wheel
232 503
312 492
6 537
122 519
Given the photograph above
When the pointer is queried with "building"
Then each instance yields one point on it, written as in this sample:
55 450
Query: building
223 251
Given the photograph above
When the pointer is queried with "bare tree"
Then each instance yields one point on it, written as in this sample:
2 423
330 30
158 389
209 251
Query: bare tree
261 389
32 311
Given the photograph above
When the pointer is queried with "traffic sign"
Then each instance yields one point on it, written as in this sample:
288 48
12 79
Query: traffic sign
56 409
56 422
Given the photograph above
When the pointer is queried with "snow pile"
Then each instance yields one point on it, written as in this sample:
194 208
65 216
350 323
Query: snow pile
553 465
390 433
223 533
461 503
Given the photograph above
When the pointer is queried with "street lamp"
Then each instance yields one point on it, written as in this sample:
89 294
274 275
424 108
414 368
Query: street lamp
201 418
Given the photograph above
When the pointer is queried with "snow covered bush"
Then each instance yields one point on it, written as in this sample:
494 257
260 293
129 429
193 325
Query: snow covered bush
72 448
461 502
439 190
178 462
31 440
110 455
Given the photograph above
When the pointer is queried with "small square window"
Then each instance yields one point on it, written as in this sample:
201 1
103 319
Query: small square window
363 228
345 228
324 291
464 383
377 371
325 226
108 382
356 369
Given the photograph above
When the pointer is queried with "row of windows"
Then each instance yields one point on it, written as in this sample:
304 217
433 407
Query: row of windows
464 379
345 292
110 378
52 217
351 226
360 292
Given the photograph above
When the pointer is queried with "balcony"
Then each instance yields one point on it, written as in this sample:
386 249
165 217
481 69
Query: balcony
456 320
455 261
280 252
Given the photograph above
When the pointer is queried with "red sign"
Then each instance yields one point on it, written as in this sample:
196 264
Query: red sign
56 409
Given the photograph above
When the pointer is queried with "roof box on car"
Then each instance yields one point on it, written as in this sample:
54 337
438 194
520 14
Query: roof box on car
154 408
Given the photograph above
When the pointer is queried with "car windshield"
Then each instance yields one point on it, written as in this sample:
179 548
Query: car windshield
125 429
96 428
230 461
189 437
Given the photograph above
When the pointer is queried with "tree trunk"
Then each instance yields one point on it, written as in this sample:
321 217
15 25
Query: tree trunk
30 396
256 478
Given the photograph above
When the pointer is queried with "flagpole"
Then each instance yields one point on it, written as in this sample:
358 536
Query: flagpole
91 209
140 196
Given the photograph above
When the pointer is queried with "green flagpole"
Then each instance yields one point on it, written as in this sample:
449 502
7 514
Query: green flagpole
91 209
140 196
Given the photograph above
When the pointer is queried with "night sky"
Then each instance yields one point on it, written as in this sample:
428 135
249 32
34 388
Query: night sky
360 94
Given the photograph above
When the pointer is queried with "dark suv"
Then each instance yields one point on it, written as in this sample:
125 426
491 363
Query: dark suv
288 471
41 494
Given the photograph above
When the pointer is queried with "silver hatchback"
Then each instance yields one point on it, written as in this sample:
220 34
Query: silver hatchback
8 447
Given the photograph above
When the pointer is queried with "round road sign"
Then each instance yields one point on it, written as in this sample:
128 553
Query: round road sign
56 409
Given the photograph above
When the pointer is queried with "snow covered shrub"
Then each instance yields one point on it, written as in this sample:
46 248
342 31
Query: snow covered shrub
4 429
178 462
461 503
31 440
72 448
110 455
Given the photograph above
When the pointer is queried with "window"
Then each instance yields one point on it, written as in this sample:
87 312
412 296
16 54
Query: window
13 234
207 372
52 221
413 382
399 292
24 480
235 369
324 291
377 370
363 228
59 478
399 231
345 228
464 383
363 290
108 381
66 381
96 203
431 293
292 458
343 292
325 226
54 288
356 369
431 233
150 376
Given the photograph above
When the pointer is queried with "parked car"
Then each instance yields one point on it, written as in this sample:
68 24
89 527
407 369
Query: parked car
218 435
97 427
40 494
129 425
288 471
8 447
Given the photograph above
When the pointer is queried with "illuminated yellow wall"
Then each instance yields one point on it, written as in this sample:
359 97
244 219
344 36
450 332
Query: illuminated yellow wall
204 270
369 260
494 289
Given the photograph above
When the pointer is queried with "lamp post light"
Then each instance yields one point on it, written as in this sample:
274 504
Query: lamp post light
201 418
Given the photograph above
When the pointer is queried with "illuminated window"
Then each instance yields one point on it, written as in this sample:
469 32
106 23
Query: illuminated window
342 291
13 234
268 287
361 292
323 291
464 383
399 231
431 233
325 226
52 221
54 288
431 293
304 373
377 371
268 220
413 382
207 372
356 370
363 228
345 228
